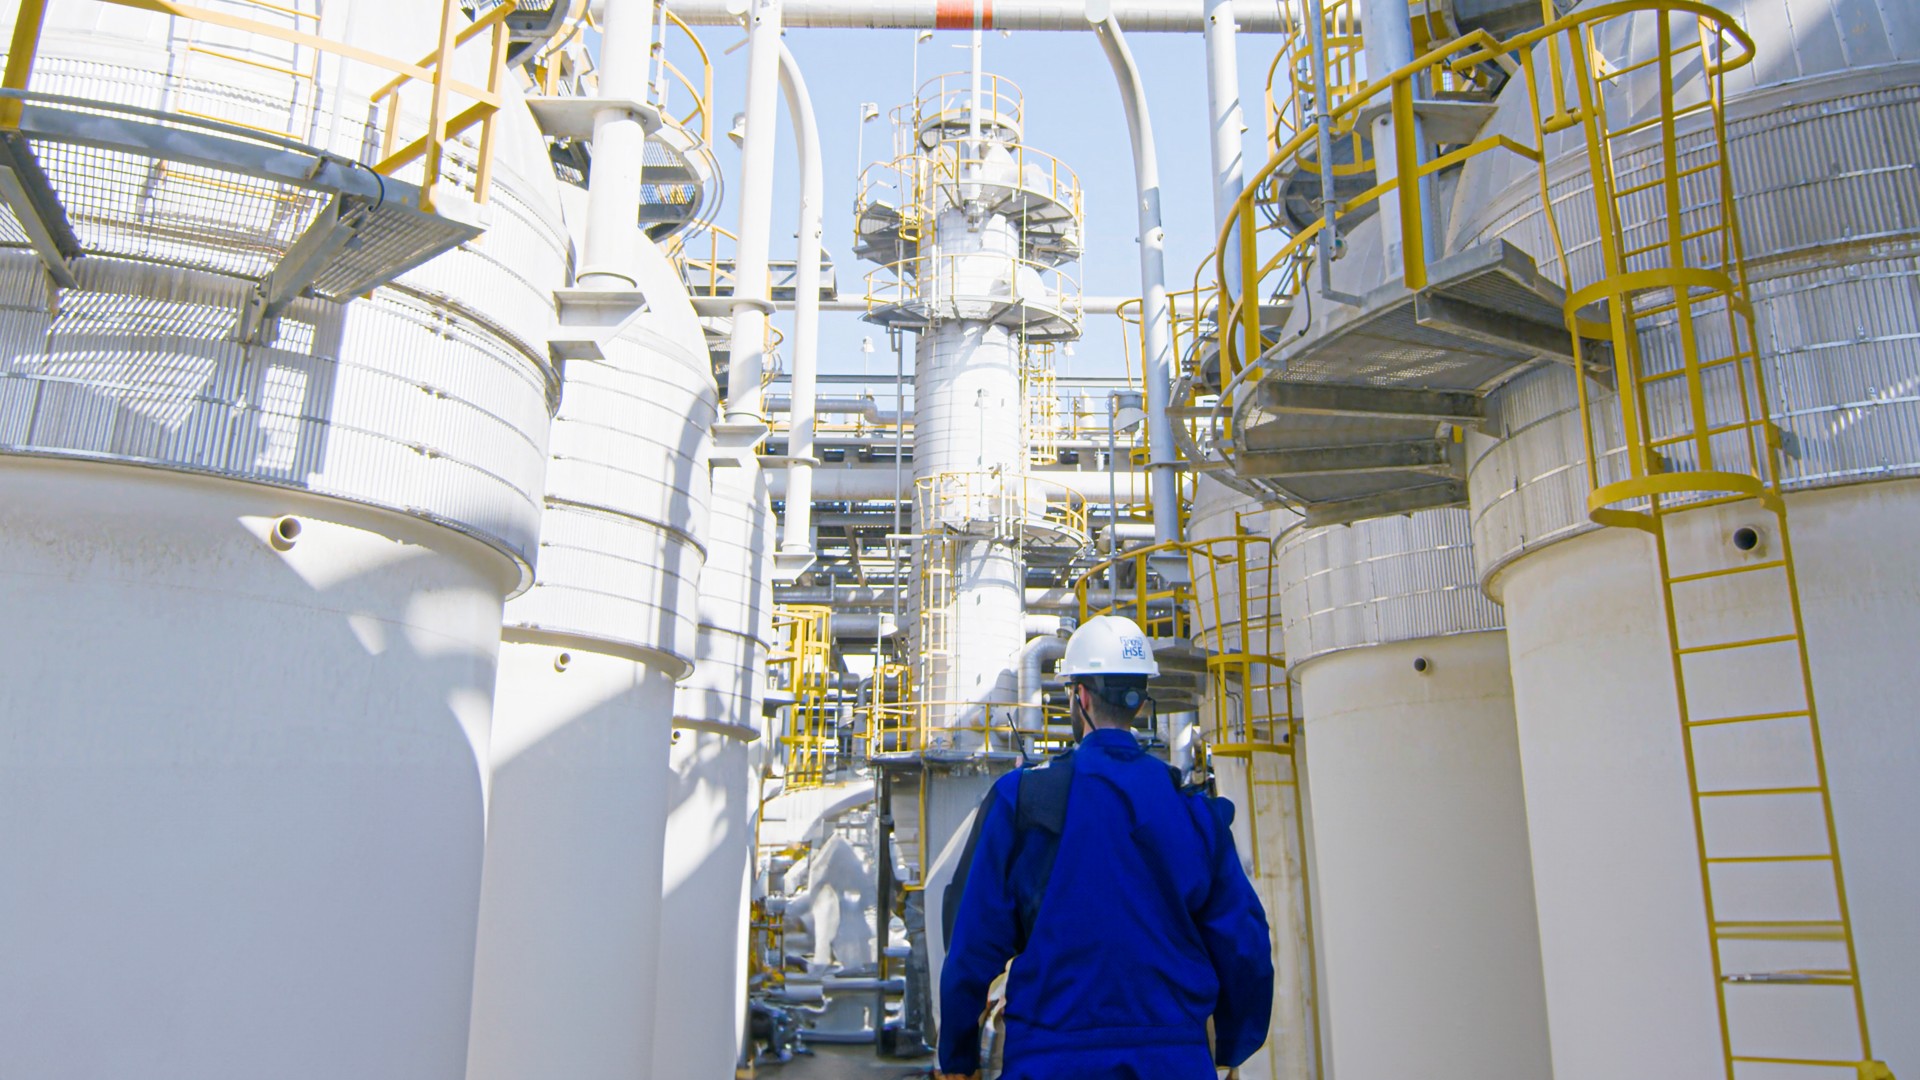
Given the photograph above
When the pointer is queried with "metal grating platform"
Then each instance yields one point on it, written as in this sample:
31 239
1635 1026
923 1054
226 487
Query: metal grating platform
126 182
1364 417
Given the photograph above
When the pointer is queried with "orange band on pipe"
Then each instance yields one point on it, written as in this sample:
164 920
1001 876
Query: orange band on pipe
958 14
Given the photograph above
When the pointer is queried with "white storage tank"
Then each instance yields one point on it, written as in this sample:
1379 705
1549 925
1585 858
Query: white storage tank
1821 138
700 1012
570 914
253 583
1422 884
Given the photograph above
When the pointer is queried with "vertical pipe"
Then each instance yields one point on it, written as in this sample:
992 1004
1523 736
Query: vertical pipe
796 539
619 148
1225 121
1387 29
752 300
1157 368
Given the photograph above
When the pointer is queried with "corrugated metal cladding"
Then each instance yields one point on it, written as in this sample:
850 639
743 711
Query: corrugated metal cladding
627 496
391 402
1824 134
1377 582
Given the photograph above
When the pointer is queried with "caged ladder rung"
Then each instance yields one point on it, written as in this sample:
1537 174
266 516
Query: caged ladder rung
1702 476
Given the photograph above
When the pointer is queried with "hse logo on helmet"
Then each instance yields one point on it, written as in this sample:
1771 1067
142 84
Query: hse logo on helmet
1133 648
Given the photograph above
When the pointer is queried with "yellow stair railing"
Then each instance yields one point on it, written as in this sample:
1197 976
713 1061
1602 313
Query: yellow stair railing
806 658
1703 477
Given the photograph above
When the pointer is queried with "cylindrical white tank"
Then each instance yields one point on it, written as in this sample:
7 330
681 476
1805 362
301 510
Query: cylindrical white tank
564 978
1421 875
1820 142
253 595
712 794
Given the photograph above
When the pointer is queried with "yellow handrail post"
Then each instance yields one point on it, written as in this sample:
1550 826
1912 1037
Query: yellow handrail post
20 56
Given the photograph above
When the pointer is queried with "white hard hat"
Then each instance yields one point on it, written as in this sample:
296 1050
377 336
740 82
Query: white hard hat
1109 645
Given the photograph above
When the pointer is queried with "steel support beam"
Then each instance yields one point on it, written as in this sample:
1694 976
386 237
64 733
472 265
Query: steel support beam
1417 455
27 192
1387 403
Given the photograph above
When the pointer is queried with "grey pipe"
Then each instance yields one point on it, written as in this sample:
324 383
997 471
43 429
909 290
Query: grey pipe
848 483
796 533
1144 16
1033 656
865 408
1226 122
1157 317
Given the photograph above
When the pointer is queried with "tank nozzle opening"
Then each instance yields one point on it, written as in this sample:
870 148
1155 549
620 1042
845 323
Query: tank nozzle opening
563 661
1746 538
285 533
1421 665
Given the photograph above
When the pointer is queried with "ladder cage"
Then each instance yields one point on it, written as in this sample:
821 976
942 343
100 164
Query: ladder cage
1641 84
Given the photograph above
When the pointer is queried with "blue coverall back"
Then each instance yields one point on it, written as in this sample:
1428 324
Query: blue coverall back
1148 926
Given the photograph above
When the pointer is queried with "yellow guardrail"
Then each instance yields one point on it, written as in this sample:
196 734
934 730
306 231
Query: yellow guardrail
432 72
1015 502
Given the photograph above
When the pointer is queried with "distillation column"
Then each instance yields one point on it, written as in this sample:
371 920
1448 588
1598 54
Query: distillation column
253 586
1619 876
969 255
1423 890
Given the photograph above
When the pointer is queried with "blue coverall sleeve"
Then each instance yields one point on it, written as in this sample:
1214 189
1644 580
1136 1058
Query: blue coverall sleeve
1234 929
985 936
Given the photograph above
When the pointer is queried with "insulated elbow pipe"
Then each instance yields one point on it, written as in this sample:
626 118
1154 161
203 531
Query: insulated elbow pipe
1033 657
796 534
1155 313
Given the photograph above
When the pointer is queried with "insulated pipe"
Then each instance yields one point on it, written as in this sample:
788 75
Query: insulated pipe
865 408
1033 657
1158 319
878 482
619 147
1225 122
1143 16
796 535
752 288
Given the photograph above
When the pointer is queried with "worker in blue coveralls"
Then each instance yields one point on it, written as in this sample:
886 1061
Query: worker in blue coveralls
1132 931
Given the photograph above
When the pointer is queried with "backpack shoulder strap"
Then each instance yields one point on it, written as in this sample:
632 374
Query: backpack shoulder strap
1042 803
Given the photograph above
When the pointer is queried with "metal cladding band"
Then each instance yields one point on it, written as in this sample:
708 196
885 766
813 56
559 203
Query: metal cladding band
1833 254
1139 16
1379 581
1157 317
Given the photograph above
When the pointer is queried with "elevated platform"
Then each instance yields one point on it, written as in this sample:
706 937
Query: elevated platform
1365 417
85 177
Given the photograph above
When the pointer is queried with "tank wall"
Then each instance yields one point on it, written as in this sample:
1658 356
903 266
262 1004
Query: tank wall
1422 873
239 780
1607 782
571 898
709 854
1622 932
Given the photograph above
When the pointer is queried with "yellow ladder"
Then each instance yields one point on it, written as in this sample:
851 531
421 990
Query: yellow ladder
807 654
1250 719
1702 476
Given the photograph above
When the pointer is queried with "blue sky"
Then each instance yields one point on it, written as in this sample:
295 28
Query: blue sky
1072 111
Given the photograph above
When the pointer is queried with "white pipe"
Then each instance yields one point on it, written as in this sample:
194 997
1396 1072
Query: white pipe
751 285
796 536
1225 122
832 483
865 408
1033 657
1158 344
619 148
1143 16
722 306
